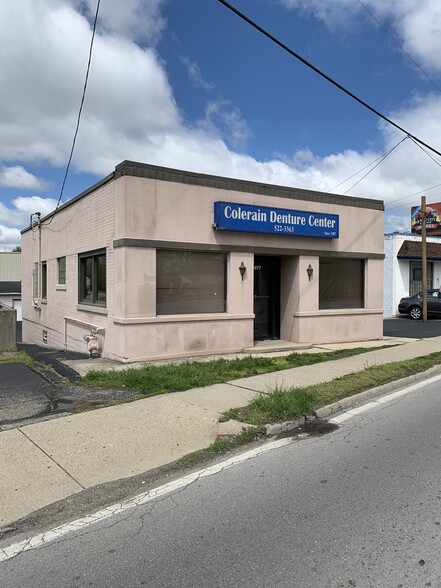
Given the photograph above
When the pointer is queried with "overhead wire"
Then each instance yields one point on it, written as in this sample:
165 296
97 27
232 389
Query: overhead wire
411 196
77 128
421 191
428 154
324 75
375 166
381 157
399 45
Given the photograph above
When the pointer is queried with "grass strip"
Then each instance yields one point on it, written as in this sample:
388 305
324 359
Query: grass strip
246 436
152 379
16 357
289 403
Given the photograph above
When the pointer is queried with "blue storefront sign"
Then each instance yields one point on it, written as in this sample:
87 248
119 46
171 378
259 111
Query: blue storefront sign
247 218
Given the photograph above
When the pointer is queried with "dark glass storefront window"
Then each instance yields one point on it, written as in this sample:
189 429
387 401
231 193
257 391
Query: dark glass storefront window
341 283
189 282
92 278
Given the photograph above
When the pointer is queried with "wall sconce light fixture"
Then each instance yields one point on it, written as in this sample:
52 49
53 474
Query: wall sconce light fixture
310 271
242 269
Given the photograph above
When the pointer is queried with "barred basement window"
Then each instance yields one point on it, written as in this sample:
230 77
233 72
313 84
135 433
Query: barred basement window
92 278
190 282
341 283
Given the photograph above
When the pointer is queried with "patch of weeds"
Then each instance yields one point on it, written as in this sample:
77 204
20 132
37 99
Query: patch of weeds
151 379
229 442
372 377
281 404
16 357
286 404
83 405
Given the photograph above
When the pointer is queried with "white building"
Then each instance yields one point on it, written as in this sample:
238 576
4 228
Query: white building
402 268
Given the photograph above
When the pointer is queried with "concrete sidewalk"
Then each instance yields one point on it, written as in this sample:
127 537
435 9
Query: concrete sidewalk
51 460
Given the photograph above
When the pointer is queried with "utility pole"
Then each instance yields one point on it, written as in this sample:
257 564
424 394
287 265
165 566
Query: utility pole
424 257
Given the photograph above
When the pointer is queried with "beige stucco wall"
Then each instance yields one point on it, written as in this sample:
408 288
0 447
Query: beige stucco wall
168 211
149 211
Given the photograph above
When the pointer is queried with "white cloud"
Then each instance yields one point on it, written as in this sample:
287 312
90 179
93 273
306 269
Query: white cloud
332 12
17 177
195 74
130 111
22 209
9 238
139 20
128 94
414 23
224 119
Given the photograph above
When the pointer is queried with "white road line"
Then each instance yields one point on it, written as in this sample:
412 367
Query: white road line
58 532
341 418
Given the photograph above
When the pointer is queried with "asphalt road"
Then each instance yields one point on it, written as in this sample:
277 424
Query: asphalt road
360 506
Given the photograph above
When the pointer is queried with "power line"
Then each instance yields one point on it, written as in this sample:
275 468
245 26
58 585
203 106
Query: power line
382 157
79 113
381 161
398 44
410 196
428 154
325 76
416 193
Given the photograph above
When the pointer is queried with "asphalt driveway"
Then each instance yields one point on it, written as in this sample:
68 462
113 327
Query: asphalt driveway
408 328
31 395
24 395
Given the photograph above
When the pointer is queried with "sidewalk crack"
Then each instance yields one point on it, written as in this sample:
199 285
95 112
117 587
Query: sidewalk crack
51 458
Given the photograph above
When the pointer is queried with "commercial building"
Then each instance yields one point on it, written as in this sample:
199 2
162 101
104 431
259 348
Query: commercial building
10 281
403 268
162 263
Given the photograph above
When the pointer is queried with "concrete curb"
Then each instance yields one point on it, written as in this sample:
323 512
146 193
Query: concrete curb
272 429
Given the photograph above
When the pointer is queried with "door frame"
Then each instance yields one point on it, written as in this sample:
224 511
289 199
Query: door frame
272 289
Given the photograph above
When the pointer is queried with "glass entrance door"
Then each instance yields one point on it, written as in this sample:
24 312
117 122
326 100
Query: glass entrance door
266 297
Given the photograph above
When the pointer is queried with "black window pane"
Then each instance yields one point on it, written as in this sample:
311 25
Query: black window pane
101 278
87 279
44 279
92 278
341 283
190 282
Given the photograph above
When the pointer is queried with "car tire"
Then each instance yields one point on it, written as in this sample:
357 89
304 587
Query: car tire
416 313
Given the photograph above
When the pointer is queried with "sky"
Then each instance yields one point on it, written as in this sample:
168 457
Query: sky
187 84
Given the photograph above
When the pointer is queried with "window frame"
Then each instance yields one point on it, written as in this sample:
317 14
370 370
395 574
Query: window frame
61 271
82 260
350 294
44 280
35 277
198 302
